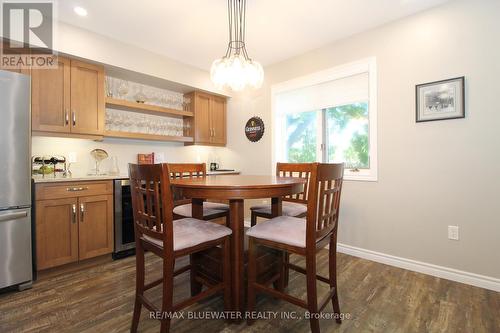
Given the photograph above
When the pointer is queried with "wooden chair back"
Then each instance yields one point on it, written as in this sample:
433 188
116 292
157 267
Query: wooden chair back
324 201
152 203
179 170
300 170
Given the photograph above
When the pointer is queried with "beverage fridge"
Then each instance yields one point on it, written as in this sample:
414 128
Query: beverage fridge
15 181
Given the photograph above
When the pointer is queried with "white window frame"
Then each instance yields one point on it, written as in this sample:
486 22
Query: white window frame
368 65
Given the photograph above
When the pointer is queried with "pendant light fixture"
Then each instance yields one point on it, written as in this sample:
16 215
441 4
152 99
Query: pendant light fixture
236 70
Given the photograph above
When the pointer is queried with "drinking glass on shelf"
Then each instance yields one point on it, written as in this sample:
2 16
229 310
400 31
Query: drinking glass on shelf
108 120
179 128
187 128
123 89
186 103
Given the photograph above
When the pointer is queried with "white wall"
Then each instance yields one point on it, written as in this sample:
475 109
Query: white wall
431 175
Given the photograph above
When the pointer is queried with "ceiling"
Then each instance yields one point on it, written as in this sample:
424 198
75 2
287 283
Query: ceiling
195 31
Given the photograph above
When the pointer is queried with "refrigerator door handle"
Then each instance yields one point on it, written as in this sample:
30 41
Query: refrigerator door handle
13 216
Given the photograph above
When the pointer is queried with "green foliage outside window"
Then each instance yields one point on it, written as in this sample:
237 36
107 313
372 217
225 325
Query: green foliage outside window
347 131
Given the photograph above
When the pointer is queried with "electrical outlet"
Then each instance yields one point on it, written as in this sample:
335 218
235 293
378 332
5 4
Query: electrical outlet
453 232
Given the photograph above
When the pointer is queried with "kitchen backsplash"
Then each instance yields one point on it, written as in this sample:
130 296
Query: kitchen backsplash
125 150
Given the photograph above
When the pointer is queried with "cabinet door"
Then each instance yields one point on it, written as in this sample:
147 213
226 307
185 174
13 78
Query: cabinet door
202 118
87 98
95 226
56 232
218 120
50 98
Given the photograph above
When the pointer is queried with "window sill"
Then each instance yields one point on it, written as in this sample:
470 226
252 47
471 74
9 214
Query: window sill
361 178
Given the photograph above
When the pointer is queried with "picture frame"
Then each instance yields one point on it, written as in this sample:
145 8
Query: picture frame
440 100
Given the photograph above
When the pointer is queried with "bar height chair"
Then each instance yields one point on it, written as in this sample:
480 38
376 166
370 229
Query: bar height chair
304 238
156 231
183 207
293 205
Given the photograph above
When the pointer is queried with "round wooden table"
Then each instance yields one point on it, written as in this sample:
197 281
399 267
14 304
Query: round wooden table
236 189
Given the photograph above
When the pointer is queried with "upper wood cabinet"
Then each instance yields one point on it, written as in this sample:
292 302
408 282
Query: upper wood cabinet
87 98
218 120
50 98
209 119
69 99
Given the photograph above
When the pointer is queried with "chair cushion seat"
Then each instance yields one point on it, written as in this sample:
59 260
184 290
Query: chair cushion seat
289 208
190 232
282 229
209 208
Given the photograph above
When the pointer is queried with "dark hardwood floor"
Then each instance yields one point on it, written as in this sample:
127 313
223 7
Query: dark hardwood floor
375 297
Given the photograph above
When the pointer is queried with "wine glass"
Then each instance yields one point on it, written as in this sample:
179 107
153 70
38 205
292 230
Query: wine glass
123 89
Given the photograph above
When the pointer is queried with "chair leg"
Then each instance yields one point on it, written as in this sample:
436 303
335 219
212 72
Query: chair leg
312 296
332 261
139 285
253 219
195 285
227 275
252 267
279 284
167 297
286 273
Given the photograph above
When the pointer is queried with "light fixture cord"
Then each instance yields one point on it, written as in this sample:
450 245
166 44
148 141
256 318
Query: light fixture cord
237 28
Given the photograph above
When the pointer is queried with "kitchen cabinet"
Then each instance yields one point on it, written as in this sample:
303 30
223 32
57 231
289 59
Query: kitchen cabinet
74 221
68 100
50 98
209 118
95 226
56 232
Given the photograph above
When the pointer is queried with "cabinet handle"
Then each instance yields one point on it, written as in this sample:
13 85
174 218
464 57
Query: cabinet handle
74 118
73 217
76 189
214 132
66 117
82 212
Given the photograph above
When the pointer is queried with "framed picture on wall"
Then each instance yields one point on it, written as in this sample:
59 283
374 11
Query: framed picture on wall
441 100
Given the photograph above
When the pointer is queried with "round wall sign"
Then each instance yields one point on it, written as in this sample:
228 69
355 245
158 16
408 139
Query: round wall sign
254 129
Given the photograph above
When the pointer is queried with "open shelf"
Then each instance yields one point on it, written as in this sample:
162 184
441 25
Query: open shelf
151 137
145 108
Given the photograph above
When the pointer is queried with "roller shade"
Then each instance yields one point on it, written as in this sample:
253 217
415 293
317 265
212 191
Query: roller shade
332 93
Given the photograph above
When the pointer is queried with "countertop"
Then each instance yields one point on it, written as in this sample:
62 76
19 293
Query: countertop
37 179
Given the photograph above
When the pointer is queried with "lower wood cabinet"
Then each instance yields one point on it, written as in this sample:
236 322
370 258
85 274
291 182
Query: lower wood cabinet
73 222
56 232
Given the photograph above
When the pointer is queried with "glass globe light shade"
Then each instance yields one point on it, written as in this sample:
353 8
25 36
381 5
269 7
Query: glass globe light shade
236 72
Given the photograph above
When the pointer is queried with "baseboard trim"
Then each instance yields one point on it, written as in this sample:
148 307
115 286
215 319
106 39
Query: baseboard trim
456 275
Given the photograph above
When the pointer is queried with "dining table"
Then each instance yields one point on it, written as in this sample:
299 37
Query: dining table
235 189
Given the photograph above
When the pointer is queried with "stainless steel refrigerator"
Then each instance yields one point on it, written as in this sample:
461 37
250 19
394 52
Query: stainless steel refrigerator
15 180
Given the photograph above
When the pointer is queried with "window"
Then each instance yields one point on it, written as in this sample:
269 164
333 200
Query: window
329 116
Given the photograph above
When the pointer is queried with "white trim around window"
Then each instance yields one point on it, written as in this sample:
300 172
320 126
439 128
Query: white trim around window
367 65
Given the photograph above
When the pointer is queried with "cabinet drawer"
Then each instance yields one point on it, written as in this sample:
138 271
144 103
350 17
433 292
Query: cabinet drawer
73 189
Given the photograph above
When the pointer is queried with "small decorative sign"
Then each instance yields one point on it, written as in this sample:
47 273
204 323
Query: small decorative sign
254 129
